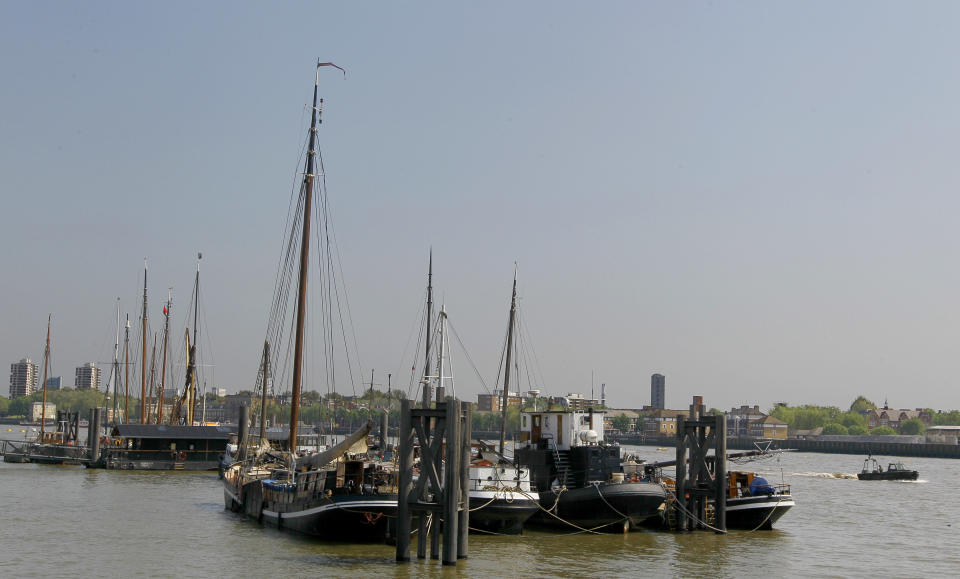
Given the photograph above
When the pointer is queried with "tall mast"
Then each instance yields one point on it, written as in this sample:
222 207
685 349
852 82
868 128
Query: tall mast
192 383
143 357
441 347
304 263
263 394
426 363
153 376
506 372
126 367
46 365
163 365
116 369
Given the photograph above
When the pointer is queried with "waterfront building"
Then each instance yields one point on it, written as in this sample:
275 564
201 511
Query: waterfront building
658 391
55 383
739 419
662 422
87 377
631 415
491 402
578 403
23 378
36 412
892 417
769 427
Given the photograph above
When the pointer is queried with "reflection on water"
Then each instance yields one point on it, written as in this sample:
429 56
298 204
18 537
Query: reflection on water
64 521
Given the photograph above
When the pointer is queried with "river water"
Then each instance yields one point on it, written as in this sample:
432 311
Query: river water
65 521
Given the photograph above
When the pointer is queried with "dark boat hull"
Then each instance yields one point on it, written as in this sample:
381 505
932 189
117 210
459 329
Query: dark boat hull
889 475
499 515
617 505
759 512
353 518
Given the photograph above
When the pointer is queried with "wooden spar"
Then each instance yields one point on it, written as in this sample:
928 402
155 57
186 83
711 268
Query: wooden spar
143 357
153 375
116 369
188 383
304 263
46 365
126 369
426 363
192 382
263 394
506 372
163 364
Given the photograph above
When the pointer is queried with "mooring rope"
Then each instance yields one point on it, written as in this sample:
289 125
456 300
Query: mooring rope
676 501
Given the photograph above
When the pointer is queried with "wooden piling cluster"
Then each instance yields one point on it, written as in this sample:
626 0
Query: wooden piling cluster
440 498
701 479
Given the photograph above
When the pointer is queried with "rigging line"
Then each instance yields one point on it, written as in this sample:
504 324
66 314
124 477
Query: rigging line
339 262
420 337
406 347
503 353
528 340
467 354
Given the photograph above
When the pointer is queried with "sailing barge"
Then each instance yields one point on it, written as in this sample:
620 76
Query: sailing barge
337 494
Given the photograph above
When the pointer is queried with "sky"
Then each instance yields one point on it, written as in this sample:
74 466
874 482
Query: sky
757 200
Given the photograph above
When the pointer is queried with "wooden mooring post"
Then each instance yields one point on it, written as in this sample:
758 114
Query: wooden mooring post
699 478
441 492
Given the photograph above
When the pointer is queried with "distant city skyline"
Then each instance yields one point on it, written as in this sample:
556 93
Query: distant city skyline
756 200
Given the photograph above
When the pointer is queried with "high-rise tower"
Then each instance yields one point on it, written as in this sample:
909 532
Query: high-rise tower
658 391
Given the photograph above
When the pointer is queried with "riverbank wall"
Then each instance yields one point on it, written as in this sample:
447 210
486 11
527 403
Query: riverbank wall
880 446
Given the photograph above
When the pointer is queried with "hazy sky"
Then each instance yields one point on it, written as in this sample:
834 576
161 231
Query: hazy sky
756 199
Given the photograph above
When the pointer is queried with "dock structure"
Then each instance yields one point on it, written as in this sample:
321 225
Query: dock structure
701 479
439 498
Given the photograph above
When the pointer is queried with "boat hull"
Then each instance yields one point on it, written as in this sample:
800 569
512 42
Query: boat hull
501 512
889 475
351 518
620 506
759 512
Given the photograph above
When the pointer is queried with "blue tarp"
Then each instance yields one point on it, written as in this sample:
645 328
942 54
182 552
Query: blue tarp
760 486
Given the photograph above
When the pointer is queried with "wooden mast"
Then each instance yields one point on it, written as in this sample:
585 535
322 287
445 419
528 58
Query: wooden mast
46 365
163 365
192 383
116 369
263 394
143 357
126 369
506 372
426 363
153 376
304 263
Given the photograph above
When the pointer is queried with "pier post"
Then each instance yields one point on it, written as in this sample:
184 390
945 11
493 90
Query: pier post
405 483
93 435
451 491
439 491
466 436
720 474
700 477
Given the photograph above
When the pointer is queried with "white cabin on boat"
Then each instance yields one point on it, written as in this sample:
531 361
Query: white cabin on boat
561 429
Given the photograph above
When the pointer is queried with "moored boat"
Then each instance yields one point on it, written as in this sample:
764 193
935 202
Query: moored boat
338 494
753 503
579 478
501 499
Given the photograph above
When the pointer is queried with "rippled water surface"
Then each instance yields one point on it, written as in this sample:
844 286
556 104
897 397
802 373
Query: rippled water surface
70 521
